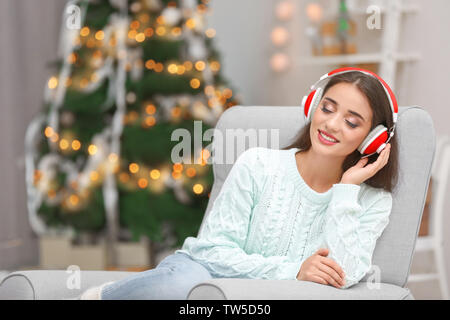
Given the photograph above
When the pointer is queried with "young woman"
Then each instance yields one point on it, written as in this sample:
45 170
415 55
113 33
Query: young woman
310 212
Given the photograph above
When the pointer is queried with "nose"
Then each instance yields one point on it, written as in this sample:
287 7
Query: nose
332 124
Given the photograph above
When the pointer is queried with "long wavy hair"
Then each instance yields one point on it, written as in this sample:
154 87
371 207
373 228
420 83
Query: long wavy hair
387 177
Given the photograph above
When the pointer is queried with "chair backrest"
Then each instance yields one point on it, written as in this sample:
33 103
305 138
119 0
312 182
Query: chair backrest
416 137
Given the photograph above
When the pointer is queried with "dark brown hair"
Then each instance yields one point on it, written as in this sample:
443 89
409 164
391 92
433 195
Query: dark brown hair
387 177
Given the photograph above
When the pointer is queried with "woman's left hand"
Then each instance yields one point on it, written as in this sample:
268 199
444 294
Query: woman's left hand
360 173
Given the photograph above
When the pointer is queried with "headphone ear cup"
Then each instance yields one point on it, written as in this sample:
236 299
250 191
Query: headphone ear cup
311 102
374 140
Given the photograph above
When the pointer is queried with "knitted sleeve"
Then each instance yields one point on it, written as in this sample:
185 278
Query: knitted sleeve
351 230
221 242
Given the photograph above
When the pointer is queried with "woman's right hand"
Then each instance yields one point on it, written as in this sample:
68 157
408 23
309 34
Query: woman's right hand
318 268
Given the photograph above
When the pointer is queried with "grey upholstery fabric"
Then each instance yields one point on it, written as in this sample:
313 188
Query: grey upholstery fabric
393 253
251 289
53 284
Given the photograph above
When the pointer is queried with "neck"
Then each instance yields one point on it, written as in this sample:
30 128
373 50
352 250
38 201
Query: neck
319 172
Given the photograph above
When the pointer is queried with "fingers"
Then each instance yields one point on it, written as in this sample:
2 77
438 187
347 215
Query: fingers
383 157
319 280
381 161
362 162
331 272
331 263
329 279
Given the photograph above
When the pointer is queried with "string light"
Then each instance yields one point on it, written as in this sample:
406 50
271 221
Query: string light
63 144
150 109
178 167
181 69
160 31
142 183
176 175
53 82
197 188
140 37
148 32
149 121
133 167
215 66
92 149
159 67
84 32
314 12
172 68
195 83
279 36
132 34
150 64
190 172
49 132
227 93
190 23
134 24
99 35
155 174
200 65
76 145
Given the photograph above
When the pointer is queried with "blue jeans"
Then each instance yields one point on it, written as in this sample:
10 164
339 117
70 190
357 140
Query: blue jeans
172 279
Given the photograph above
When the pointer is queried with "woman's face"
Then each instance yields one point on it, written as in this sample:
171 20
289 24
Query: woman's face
344 113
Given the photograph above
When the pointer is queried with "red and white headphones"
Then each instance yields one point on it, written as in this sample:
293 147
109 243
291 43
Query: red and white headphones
377 139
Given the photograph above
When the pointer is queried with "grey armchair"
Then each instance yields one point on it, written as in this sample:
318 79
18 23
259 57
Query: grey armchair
392 256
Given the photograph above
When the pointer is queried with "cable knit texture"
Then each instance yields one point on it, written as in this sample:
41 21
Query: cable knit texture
266 221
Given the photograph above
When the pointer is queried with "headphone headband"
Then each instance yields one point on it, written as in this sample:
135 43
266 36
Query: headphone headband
389 93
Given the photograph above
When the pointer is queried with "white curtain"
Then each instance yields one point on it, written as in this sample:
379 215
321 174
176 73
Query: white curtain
29 32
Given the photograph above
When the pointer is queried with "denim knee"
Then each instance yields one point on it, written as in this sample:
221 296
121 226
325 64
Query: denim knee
173 279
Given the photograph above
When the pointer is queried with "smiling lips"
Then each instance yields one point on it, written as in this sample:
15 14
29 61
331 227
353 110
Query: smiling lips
322 133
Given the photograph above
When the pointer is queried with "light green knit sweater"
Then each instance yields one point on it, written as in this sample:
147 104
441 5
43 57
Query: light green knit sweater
266 221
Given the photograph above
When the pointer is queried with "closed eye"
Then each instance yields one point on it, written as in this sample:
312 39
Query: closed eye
352 125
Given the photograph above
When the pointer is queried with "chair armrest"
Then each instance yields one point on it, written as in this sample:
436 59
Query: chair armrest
53 284
252 289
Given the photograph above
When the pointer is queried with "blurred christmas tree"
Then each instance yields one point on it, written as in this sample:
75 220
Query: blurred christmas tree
130 74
